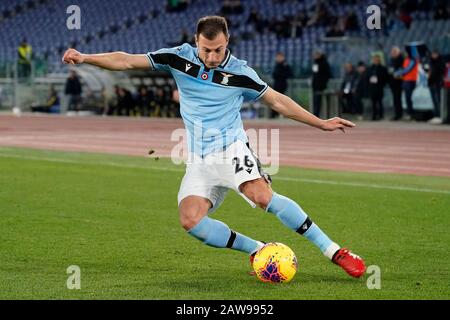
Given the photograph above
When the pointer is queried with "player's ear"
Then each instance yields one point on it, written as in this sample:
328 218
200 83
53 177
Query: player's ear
196 40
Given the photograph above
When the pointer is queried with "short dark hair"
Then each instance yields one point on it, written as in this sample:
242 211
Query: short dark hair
211 26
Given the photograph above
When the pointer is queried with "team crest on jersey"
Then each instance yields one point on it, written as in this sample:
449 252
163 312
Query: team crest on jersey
225 78
204 76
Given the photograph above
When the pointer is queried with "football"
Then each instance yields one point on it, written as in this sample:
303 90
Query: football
275 263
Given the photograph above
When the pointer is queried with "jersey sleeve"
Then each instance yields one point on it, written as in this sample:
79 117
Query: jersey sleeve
161 59
254 87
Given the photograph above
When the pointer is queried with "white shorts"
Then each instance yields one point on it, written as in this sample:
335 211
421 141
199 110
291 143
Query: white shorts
213 176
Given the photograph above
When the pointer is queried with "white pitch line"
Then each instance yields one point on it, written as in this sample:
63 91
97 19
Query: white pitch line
111 164
366 185
317 181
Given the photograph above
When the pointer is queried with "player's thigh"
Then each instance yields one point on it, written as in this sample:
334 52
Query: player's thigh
248 176
199 195
192 209
258 191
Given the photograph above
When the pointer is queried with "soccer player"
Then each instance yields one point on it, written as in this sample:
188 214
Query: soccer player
212 85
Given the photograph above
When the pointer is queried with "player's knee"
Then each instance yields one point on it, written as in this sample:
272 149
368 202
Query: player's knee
257 191
262 199
188 221
191 212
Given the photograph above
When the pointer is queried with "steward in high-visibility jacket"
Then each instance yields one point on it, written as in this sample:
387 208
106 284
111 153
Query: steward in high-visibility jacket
409 74
25 54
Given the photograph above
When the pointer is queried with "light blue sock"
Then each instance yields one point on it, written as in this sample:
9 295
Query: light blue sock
217 234
292 216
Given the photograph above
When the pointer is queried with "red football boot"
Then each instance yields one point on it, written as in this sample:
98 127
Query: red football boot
350 262
252 257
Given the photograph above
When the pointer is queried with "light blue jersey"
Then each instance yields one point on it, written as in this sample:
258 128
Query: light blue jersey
210 99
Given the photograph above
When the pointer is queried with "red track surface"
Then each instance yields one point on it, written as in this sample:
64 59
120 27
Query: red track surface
411 148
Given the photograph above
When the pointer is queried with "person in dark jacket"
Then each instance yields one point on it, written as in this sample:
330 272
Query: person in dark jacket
73 89
161 102
143 101
361 88
281 73
348 89
378 77
321 75
396 64
125 102
435 82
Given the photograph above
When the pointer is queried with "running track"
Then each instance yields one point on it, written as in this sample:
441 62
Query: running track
410 148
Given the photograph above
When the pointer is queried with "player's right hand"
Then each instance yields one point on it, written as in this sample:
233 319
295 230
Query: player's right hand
72 56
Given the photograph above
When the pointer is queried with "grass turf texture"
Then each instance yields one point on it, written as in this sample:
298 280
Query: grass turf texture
116 218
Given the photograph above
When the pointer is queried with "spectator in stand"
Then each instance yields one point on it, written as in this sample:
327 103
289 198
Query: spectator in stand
321 16
296 28
257 20
405 17
282 28
303 18
185 38
378 77
441 13
232 7
253 16
177 5
390 6
351 22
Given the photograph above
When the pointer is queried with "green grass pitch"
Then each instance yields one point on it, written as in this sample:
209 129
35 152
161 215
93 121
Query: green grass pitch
116 218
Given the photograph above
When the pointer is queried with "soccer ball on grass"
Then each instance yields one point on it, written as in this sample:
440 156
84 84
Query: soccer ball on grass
275 263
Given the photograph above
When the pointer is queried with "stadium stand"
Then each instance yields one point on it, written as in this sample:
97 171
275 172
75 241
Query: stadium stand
135 26
259 30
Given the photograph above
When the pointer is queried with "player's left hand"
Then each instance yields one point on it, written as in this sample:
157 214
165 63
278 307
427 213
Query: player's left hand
336 123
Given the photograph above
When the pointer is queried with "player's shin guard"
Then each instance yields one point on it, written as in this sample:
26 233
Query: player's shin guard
292 216
217 234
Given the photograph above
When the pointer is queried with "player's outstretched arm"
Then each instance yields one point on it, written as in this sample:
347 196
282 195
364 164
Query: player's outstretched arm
290 109
115 61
